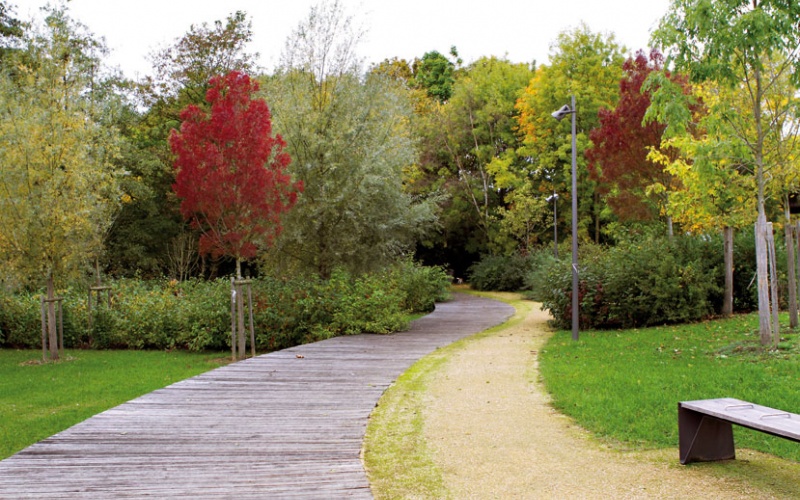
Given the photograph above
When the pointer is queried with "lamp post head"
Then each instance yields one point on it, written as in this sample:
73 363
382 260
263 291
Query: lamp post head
561 113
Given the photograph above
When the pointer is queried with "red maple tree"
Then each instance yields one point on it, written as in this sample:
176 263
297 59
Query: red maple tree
618 158
231 170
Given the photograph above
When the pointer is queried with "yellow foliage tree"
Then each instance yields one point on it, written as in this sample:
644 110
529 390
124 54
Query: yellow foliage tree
58 188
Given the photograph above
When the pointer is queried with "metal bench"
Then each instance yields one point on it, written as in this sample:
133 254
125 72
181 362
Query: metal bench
706 432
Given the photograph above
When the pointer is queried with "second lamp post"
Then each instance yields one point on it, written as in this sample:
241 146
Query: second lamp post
559 115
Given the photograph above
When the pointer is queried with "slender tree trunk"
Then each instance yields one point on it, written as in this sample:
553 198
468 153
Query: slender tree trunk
596 197
670 228
52 332
233 319
796 235
727 303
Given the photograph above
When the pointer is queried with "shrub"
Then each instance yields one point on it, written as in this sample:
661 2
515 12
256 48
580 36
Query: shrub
499 273
636 283
20 320
421 286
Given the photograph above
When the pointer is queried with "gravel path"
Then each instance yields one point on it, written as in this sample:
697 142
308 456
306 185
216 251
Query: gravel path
494 435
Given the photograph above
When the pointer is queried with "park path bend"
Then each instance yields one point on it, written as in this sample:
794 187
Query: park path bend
288 424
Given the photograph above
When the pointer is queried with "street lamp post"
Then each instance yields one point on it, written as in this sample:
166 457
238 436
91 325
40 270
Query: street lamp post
559 115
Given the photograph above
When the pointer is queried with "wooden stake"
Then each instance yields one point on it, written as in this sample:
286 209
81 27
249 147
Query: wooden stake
233 320
773 278
252 326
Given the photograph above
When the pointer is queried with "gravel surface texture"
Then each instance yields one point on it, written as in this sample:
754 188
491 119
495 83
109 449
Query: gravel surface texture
494 434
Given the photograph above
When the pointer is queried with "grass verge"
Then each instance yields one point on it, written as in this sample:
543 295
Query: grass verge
398 461
38 399
624 387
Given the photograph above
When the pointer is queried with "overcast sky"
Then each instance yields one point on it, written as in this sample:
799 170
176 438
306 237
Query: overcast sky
521 30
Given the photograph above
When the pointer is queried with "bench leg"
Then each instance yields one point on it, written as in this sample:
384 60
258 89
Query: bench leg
704 438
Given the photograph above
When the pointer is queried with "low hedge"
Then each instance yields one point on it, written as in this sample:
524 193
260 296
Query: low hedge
195 314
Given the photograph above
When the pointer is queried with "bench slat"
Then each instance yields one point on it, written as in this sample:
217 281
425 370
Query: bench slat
750 415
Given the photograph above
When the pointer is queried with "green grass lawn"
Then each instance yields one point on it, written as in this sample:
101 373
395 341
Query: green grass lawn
38 399
625 385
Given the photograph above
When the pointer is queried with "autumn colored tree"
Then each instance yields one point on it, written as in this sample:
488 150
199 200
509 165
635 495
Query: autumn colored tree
749 45
714 190
231 170
618 157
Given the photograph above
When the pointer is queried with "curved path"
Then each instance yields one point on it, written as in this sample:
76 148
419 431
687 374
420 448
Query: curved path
288 424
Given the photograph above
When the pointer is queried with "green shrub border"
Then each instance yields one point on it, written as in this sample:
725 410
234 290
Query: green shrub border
195 315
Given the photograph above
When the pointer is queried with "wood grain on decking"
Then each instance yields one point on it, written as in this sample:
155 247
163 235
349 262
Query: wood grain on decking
288 424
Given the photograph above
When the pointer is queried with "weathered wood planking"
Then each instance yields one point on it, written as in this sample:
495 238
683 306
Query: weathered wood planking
276 426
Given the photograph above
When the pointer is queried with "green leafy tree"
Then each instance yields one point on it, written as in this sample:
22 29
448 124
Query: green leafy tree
750 45
462 138
182 70
589 66
349 139
714 189
435 73
58 184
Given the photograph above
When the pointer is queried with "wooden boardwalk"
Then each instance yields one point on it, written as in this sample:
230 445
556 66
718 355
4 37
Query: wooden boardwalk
288 424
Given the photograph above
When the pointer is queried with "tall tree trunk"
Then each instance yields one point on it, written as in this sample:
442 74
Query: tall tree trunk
52 331
764 307
796 234
727 303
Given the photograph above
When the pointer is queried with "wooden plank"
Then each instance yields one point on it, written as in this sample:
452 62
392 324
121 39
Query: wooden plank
287 424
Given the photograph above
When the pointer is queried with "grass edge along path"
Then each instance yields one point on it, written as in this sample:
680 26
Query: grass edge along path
400 463
397 459
39 399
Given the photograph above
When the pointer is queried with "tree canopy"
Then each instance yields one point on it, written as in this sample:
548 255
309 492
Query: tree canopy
350 141
232 179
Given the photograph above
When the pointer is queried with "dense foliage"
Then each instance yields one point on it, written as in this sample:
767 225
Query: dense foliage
195 314
500 273
646 281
